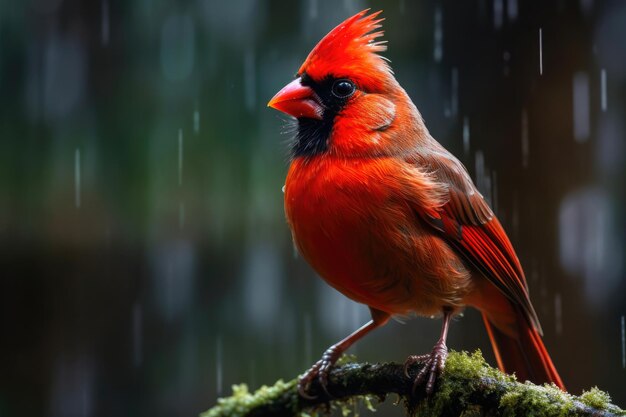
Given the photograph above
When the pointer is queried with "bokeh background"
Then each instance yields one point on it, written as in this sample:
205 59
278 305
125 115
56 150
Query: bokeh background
145 262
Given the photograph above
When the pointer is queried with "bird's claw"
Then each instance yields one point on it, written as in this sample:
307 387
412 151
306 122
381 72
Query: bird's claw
320 371
305 381
433 365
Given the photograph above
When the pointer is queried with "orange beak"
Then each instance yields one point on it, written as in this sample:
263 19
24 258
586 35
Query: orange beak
297 100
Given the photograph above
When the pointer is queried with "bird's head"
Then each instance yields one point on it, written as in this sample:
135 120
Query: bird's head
345 97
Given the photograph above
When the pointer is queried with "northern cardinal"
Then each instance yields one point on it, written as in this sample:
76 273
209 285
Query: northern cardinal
389 217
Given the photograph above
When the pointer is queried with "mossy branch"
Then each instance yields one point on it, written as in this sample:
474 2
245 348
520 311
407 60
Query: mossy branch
468 387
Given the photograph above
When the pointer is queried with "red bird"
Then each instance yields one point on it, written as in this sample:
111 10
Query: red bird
389 217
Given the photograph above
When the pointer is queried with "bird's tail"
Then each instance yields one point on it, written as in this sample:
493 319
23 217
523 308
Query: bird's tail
521 351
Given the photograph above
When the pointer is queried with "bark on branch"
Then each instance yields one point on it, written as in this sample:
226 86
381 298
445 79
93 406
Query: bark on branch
468 387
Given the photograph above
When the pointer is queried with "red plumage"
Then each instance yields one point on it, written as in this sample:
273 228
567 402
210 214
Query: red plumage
389 217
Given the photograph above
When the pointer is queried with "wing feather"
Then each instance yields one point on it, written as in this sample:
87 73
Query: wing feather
468 224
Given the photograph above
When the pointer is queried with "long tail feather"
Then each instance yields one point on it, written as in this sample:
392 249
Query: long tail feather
525 355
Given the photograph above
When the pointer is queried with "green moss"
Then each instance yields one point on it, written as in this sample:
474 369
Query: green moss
463 375
462 371
596 398
472 411
242 401
345 359
367 401
352 405
465 365
532 400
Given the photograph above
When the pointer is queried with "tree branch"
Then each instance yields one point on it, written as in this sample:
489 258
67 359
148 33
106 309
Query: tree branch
468 386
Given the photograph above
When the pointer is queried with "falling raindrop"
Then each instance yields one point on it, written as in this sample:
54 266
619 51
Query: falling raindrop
308 340
77 178
483 179
525 142
218 365
454 100
180 156
494 191
479 165
580 87
250 79
498 13
438 35
356 316
511 9
603 88
181 215
105 23
515 214
313 9
252 373
466 135
196 121
137 335
540 51
558 314
506 56
623 342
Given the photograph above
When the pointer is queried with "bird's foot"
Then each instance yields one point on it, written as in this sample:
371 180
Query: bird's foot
319 371
433 366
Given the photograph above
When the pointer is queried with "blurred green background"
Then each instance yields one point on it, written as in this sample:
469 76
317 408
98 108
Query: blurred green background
144 258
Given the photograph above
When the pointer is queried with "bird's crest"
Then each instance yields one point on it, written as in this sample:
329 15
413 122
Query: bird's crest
350 50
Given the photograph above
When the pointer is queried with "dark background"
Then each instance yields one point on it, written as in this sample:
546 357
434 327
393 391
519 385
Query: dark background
145 262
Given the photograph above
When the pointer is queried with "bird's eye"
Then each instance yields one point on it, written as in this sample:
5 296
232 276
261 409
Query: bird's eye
343 88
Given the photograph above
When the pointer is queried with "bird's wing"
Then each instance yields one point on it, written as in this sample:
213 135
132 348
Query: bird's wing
470 227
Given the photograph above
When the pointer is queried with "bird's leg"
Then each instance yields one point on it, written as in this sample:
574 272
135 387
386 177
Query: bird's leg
322 367
434 361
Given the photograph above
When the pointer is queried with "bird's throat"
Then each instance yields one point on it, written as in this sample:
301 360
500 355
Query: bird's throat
312 136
